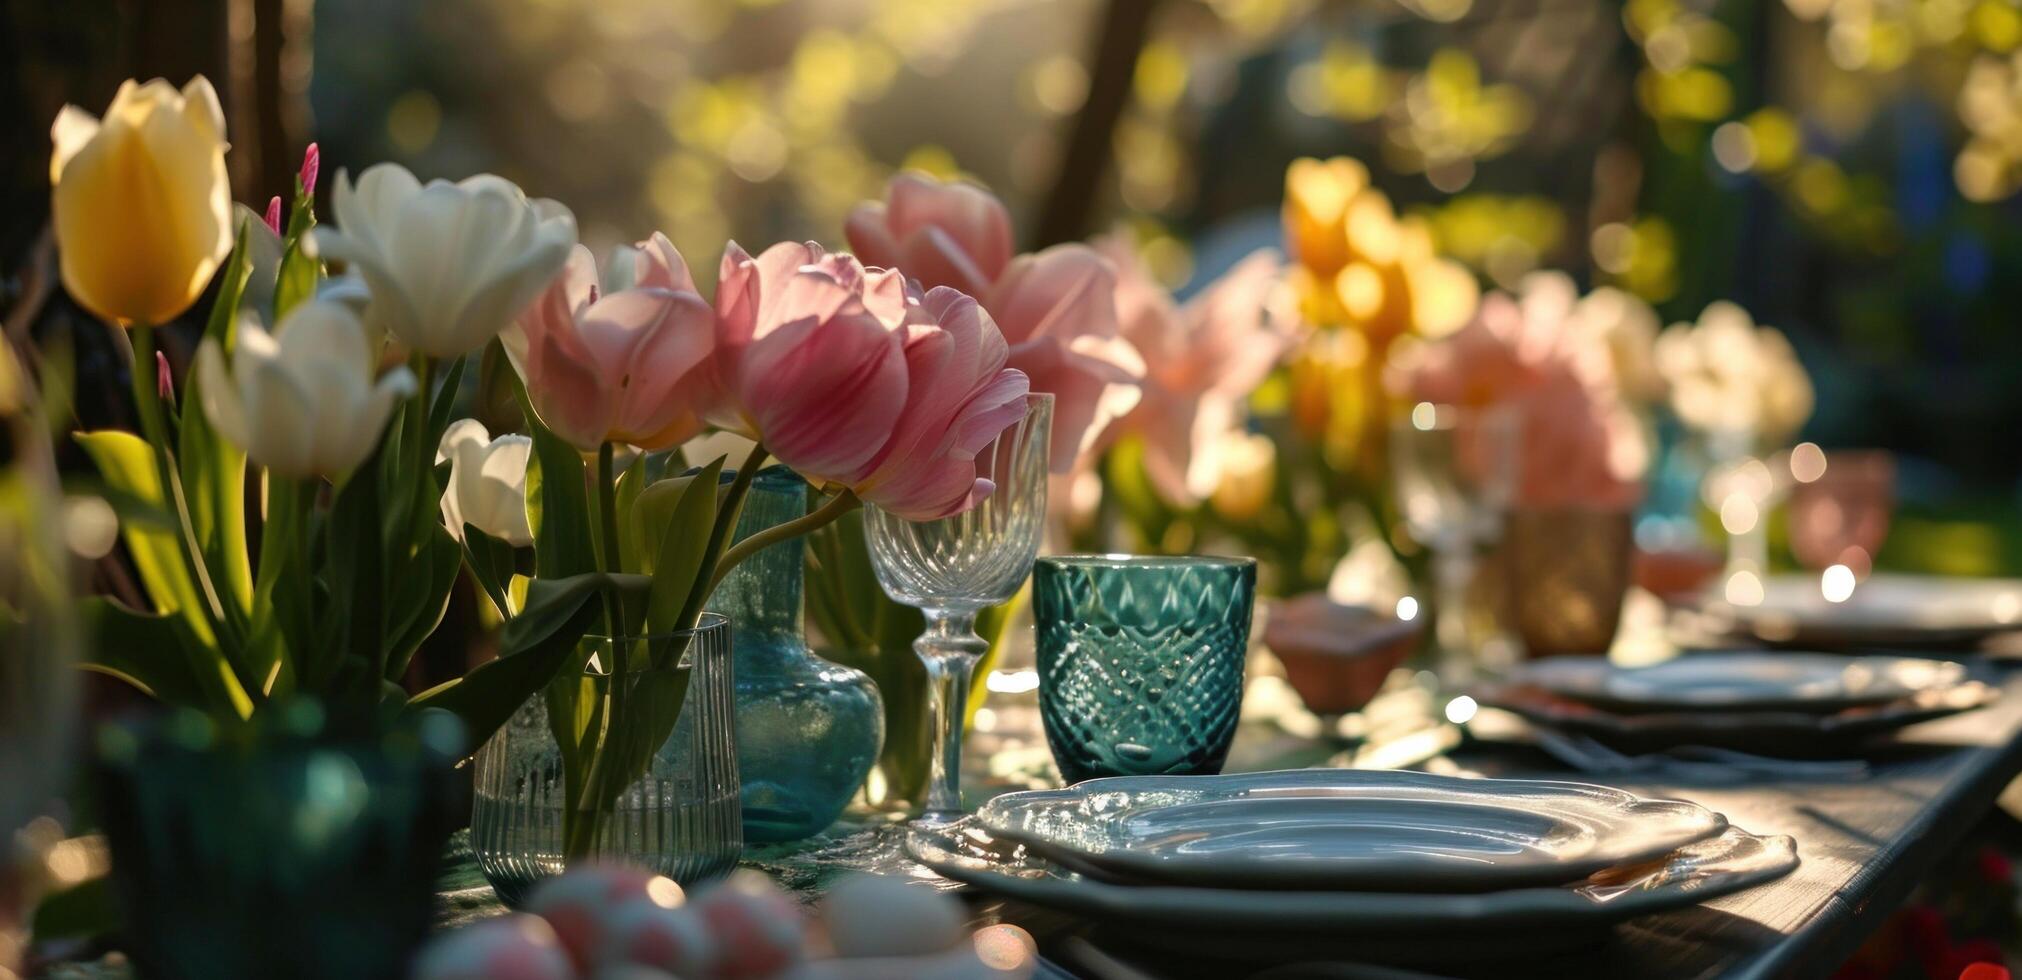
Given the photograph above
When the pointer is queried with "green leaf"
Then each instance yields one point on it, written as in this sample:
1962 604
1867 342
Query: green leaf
439 416
158 655
558 503
533 646
492 563
299 272
127 464
213 471
353 623
631 483
682 554
85 910
284 591
417 608
642 708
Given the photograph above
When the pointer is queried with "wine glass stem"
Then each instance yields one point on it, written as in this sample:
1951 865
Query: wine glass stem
949 648
1452 570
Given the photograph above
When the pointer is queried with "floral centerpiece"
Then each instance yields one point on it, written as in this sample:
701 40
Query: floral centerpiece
334 401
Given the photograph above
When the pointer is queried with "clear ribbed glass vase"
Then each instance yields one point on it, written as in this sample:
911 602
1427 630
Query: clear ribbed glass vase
677 813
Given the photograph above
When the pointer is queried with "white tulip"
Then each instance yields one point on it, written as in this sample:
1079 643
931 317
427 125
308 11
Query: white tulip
449 265
487 482
305 403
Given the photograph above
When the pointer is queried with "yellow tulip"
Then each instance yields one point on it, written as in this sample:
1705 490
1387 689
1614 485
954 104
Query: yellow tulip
142 204
1318 195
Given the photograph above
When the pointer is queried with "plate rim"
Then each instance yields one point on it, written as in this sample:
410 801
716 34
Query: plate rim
1610 848
1601 696
1370 913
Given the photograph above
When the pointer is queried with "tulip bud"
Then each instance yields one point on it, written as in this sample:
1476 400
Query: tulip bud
312 164
164 382
273 215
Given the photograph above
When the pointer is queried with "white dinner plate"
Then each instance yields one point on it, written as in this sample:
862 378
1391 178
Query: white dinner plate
1795 732
1365 924
1740 681
1365 830
1885 611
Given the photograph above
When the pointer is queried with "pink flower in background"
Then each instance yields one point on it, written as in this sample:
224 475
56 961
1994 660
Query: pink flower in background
852 377
941 233
273 215
1579 445
1056 308
622 360
1202 361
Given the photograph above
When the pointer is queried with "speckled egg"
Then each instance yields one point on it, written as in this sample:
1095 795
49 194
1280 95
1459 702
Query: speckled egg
880 915
757 929
642 933
513 947
578 904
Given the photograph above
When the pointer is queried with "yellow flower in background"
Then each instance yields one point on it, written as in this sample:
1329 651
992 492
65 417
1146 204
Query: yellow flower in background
1363 267
1249 471
142 203
1317 197
1333 394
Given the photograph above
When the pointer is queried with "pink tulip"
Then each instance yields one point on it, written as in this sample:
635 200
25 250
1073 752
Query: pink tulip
1573 432
809 357
960 397
1202 362
1056 308
273 215
619 361
854 378
949 233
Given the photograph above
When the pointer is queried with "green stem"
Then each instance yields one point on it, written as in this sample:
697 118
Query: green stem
154 426
607 529
826 514
580 833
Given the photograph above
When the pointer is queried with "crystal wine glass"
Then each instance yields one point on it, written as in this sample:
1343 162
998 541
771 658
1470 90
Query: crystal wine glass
955 567
1455 470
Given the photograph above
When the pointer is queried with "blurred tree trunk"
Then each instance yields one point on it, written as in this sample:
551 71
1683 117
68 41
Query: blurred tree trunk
271 76
1126 24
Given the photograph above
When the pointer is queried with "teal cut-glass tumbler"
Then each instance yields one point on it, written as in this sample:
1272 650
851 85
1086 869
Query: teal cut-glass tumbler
1141 661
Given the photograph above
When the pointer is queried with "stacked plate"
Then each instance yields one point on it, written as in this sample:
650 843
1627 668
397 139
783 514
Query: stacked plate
1738 699
1922 612
1391 865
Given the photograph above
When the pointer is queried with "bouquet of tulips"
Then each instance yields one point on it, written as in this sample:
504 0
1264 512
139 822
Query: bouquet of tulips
868 385
287 395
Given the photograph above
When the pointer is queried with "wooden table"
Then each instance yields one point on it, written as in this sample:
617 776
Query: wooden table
1863 844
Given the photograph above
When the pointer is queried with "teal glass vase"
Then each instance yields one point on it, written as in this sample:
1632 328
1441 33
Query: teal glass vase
1141 661
297 845
808 730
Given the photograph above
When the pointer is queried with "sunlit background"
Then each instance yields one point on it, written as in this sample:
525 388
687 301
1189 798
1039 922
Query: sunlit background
1842 169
